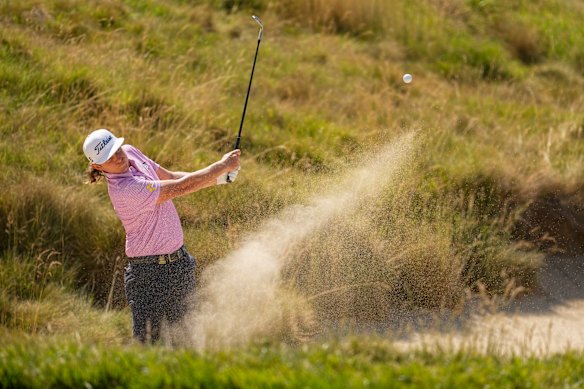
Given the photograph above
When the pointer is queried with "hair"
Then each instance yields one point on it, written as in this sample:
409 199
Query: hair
93 175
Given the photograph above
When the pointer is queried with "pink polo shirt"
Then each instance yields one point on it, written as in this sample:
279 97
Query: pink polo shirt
151 228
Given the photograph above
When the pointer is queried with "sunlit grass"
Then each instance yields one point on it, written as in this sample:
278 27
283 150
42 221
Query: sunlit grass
496 98
355 363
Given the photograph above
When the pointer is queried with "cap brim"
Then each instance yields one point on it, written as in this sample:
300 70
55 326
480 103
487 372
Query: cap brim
117 144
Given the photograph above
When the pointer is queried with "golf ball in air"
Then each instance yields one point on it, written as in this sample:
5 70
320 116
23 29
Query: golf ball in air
407 78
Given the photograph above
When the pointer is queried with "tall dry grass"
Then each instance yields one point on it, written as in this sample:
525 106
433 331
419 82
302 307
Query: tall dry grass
406 252
40 219
361 18
171 78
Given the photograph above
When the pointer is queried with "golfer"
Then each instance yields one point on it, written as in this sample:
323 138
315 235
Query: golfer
159 279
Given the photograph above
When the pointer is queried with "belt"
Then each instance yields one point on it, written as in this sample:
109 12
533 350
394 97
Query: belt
161 259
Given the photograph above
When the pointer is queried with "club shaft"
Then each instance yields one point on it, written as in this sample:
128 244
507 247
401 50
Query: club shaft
247 95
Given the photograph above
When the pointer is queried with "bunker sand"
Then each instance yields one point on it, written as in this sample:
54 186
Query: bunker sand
546 322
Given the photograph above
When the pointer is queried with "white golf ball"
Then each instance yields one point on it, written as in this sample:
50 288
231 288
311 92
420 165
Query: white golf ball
407 78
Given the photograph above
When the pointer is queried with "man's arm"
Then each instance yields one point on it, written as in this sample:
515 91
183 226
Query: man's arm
192 182
165 174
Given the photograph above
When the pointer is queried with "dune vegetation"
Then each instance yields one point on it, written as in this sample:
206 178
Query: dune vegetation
491 184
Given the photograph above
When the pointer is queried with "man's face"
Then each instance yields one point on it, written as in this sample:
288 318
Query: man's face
118 163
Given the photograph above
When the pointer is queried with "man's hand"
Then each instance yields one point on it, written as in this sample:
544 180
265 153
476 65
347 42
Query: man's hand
231 161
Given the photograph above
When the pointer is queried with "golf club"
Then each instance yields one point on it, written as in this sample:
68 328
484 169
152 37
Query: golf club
250 80
258 21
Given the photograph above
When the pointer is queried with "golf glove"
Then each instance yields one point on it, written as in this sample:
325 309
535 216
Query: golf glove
226 178
231 176
222 179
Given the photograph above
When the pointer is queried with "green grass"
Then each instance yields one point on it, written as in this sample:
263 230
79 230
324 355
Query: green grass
70 66
495 102
369 363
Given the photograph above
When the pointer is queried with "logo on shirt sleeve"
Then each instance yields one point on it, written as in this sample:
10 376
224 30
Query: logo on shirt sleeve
151 187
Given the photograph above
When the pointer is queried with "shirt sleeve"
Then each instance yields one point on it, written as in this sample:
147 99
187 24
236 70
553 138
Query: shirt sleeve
152 164
141 194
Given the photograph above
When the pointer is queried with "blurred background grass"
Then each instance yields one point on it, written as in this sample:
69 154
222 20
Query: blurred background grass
496 100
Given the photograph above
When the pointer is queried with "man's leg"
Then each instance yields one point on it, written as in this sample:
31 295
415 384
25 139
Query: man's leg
181 297
144 301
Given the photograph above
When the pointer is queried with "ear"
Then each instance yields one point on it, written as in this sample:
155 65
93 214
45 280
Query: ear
96 167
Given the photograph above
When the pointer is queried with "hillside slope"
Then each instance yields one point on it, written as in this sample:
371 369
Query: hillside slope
496 107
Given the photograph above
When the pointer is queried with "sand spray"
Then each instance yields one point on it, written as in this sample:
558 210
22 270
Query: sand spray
239 299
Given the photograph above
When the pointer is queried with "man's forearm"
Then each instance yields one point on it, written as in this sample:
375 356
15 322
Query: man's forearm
190 182
178 175
165 174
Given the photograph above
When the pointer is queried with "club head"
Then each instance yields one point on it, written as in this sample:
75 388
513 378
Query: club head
258 21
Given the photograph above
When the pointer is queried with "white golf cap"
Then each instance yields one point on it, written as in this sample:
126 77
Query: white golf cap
100 145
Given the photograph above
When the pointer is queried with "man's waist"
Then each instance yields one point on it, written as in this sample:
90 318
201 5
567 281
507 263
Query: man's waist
149 240
161 259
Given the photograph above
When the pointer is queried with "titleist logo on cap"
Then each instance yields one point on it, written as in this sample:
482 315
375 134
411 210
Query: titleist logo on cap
101 144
